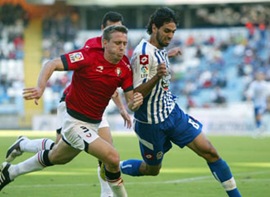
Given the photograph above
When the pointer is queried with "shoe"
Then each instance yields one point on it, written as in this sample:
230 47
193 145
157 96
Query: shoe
14 150
4 177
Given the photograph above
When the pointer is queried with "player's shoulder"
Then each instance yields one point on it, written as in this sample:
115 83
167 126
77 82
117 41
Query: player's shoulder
93 42
144 47
125 62
125 59
91 53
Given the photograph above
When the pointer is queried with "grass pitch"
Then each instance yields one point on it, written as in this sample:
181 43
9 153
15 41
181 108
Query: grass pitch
183 172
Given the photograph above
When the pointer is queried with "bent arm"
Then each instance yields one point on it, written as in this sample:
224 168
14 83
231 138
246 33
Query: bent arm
146 88
134 100
44 75
118 102
47 71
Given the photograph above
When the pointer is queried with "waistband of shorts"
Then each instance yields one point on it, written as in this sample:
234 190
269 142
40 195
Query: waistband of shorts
81 117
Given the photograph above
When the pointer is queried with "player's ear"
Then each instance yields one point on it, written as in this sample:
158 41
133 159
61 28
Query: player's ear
154 28
104 43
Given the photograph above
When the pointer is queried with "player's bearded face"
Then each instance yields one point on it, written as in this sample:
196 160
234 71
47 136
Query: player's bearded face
161 40
165 34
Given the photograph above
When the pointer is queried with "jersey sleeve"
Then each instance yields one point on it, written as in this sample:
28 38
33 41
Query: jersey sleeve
127 84
76 59
141 67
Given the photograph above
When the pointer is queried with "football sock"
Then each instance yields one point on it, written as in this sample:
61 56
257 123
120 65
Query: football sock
36 145
131 167
104 186
222 173
35 163
116 183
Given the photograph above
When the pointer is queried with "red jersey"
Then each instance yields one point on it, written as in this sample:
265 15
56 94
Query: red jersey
95 42
93 82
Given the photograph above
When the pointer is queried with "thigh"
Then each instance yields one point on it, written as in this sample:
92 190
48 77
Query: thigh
203 147
152 140
104 151
183 129
105 134
78 134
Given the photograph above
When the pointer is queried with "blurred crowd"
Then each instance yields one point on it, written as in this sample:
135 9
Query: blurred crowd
215 69
13 20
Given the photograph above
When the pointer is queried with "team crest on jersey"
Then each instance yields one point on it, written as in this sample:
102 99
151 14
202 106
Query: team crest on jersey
75 57
159 155
144 59
118 71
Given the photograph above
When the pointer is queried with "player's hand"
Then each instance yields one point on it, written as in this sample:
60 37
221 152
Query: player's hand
137 101
174 52
32 93
161 70
126 117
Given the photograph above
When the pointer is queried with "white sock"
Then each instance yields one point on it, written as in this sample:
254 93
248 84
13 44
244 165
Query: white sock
118 188
36 145
30 165
105 189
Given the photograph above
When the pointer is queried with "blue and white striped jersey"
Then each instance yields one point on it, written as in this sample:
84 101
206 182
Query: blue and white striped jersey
160 102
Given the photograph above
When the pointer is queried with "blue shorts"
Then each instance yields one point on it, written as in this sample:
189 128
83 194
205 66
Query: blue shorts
156 139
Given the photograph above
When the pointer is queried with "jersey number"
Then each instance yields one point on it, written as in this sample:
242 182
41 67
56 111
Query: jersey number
194 124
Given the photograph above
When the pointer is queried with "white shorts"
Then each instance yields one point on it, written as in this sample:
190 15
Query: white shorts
104 121
61 110
78 133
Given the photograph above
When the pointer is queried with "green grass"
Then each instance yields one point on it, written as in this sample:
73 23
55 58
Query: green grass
183 172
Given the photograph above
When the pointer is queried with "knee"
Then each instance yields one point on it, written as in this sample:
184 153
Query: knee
113 159
152 170
210 154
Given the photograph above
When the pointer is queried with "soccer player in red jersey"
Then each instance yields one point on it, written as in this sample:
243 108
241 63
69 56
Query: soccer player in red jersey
97 74
24 144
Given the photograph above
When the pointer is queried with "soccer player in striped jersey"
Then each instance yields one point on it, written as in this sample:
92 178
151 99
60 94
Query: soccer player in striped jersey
97 74
159 122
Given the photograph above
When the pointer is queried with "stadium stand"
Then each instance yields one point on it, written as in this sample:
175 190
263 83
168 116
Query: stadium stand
223 46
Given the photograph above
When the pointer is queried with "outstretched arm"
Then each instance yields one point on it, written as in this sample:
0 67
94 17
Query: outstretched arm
44 75
118 102
174 52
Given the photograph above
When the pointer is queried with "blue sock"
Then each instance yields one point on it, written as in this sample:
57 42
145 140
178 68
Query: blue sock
222 173
131 167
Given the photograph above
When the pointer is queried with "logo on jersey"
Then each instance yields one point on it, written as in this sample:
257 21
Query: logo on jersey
159 155
118 71
100 69
75 57
149 156
144 71
144 59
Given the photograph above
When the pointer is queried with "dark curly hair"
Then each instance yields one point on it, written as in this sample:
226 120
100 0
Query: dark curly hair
159 17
